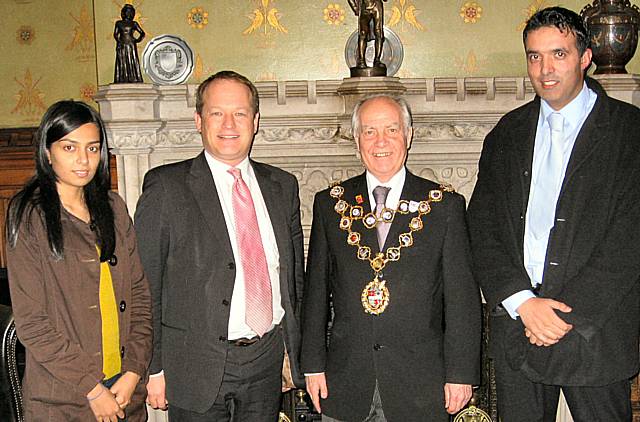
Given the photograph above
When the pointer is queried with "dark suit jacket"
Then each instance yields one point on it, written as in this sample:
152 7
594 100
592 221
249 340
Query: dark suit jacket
592 260
187 256
428 335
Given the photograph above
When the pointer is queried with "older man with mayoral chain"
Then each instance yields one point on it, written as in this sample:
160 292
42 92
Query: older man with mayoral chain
390 249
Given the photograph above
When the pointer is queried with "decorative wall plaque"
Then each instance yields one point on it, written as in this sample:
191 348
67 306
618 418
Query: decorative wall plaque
168 60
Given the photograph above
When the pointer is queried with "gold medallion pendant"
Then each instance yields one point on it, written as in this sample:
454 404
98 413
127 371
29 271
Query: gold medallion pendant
375 297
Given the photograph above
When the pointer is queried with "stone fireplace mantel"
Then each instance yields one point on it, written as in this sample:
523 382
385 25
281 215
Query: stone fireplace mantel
305 126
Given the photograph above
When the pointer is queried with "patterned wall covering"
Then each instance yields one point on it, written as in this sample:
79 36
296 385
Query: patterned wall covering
50 52
47 53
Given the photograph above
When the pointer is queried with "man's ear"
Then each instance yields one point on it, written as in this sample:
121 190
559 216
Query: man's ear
585 60
409 137
198 120
256 122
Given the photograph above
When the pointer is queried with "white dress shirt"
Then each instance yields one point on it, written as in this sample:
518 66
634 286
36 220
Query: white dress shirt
575 113
223 180
396 183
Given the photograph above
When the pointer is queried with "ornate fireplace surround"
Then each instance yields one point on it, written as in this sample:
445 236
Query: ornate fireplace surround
305 129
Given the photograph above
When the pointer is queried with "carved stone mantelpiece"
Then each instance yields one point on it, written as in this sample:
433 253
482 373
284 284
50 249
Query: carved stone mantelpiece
305 126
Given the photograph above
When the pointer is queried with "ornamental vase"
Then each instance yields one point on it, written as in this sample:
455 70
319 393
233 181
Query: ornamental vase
613 25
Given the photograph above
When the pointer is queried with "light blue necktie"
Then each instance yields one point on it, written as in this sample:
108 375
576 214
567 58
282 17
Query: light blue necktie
545 194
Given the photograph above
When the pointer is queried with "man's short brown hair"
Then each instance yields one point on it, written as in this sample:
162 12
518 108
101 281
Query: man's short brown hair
228 75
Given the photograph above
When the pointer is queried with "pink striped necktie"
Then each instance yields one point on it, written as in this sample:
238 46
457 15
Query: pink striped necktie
259 312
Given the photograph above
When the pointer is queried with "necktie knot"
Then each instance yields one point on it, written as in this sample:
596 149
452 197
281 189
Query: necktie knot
235 172
556 123
380 195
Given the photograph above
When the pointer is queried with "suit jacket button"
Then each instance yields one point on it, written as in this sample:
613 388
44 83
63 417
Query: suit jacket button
122 352
123 306
222 338
113 261
525 173
377 347
521 216
225 302
231 266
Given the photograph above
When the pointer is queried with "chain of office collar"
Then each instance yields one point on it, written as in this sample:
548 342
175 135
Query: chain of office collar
350 213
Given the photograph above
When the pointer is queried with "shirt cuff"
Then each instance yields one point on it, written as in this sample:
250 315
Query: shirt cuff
513 302
157 374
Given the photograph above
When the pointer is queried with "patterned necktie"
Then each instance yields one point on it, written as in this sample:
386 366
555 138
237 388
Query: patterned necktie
259 313
543 202
380 194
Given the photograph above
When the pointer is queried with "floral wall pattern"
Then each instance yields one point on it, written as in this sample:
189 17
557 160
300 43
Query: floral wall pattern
65 49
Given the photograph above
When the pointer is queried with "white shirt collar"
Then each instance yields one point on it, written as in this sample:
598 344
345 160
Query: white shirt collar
219 168
573 112
396 183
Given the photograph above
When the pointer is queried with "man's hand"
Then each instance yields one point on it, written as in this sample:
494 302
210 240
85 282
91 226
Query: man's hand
543 326
124 387
317 387
103 404
155 392
456 397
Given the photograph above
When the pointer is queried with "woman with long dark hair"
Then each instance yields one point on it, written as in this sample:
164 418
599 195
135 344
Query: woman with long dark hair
80 299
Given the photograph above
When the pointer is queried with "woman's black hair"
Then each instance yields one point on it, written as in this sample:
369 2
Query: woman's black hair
40 192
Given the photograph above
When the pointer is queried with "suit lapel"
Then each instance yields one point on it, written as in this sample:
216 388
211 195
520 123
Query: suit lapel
400 224
369 237
272 194
200 181
519 167
592 133
271 191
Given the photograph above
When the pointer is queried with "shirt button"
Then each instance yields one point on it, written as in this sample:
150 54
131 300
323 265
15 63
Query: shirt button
377 347
231 266
123 306
225 302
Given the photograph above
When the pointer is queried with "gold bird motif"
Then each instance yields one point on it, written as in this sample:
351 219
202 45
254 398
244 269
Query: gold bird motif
410 16
272 18
396 15
256 22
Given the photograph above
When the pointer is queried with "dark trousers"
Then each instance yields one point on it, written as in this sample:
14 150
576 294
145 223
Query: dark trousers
521 400
251 389
376 414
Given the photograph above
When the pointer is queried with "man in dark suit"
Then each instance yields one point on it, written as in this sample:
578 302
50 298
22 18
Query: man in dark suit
555 232
390 250
221 244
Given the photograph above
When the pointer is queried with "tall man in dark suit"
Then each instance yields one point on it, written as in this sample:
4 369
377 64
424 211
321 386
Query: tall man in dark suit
221 244
555 230
391 251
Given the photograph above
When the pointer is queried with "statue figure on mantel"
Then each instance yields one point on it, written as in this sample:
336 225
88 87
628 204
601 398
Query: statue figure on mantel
370 15
127 69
